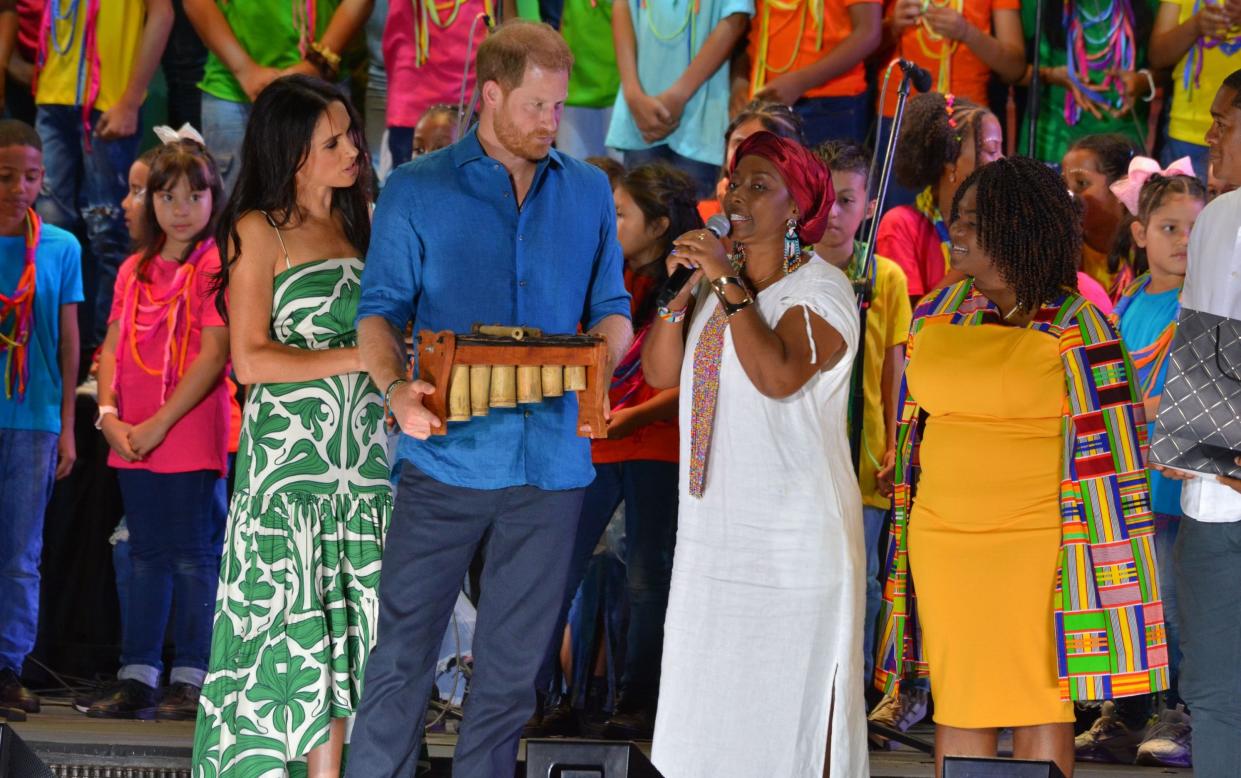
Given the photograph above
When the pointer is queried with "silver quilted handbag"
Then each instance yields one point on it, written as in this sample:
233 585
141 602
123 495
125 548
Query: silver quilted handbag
1199 423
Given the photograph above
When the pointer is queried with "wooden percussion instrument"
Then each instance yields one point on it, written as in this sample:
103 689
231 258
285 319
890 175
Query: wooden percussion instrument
503 367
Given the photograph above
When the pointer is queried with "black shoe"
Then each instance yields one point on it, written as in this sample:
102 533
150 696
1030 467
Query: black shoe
179 703
560 720
130 699
13 694
83 701
636 724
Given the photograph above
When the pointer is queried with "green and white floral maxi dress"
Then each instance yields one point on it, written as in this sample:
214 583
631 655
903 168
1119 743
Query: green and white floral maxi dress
297 605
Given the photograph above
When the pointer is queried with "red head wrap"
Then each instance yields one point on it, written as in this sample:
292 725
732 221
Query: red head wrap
806 177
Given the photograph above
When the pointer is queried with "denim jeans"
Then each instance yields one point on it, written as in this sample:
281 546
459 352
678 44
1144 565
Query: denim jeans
1166 530
705 176
82 193
1207 569
834 118
1198 154
649 490
224 129
872 526
27 473
176 527
583 131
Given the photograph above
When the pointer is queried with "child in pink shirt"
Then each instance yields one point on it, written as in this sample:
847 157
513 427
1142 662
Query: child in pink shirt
164 410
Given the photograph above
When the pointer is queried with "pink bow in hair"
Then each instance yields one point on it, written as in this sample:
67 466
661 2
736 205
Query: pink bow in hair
1129 188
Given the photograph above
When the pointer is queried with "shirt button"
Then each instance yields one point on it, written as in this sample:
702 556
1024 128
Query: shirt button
521 283
521 237
527 414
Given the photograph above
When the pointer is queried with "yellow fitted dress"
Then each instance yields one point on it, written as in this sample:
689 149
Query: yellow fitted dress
984 533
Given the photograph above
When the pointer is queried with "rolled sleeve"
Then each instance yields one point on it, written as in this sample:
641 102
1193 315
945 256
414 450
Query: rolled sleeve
607 296
391 278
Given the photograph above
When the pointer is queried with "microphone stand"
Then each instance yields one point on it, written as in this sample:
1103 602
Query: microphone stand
1033 96
864 288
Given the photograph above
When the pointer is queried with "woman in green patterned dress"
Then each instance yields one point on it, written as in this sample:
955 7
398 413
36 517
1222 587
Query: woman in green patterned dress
296 609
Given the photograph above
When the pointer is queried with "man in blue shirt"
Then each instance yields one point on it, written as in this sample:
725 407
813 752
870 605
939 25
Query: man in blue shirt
497 228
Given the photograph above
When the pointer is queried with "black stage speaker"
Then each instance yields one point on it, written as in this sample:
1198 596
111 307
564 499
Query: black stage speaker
586 759
973 767
18 761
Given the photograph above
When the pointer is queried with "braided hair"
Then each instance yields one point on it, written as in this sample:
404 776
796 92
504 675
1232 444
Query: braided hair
1026 223
929 140
1155 192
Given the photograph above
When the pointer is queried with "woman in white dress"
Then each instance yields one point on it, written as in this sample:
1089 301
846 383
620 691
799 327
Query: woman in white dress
762 643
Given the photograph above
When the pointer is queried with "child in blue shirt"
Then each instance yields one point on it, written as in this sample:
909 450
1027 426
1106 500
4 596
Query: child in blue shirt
40 288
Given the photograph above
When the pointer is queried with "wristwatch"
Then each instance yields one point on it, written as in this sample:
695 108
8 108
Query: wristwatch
105 410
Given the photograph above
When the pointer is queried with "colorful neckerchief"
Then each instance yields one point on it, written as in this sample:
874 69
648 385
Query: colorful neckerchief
925 205
1192 74
88 85
1147 362
143 314
946 50
427 15
15 343
1090 50
304 16
762 66
708 354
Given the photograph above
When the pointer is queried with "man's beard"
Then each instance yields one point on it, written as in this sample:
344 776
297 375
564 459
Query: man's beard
525 146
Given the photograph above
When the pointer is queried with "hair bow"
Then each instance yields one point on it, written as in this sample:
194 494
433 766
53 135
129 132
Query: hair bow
1129 189
169 135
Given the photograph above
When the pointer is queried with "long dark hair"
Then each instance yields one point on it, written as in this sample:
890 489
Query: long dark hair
660 190
276 145
168 164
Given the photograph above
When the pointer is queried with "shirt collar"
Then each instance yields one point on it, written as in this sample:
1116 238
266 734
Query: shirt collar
469 149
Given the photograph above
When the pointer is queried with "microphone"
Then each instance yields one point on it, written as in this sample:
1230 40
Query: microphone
918 76
719 226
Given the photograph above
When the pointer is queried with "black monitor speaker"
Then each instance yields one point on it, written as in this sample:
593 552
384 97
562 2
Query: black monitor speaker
973 767
586 759
17 760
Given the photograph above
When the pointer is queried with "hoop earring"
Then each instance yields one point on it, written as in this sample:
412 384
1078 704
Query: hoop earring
792 247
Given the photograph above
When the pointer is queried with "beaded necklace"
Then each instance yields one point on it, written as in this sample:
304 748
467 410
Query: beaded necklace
945 50
427 14
925 205
690 22
808 7
143 314
15 342
88 84
1231 44
1101 42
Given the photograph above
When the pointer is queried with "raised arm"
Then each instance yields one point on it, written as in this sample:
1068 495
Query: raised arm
121 120
348 18
256 357
1171 39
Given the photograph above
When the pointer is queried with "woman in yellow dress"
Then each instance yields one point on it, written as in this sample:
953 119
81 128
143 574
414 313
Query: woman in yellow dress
1022 509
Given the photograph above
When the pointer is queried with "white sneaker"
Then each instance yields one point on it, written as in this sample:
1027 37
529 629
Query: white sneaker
899 712
1168 741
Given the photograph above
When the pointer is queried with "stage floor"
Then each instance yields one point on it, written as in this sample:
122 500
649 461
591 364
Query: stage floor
161 749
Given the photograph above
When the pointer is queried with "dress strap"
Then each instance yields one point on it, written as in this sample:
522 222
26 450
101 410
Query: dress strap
288 265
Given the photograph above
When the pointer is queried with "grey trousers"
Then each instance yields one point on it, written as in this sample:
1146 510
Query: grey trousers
435 530
1207 560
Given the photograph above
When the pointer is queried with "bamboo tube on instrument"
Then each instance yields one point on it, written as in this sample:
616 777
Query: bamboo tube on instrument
459 394
553 380
504 386
575 378
480 389
529 384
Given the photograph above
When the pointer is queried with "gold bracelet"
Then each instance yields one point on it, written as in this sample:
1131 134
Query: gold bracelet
331 57
720 285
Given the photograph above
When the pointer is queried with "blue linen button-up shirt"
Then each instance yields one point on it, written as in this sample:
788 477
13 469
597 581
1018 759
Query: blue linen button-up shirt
450 249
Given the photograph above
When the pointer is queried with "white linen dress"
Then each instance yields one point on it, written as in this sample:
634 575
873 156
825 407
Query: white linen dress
763 637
